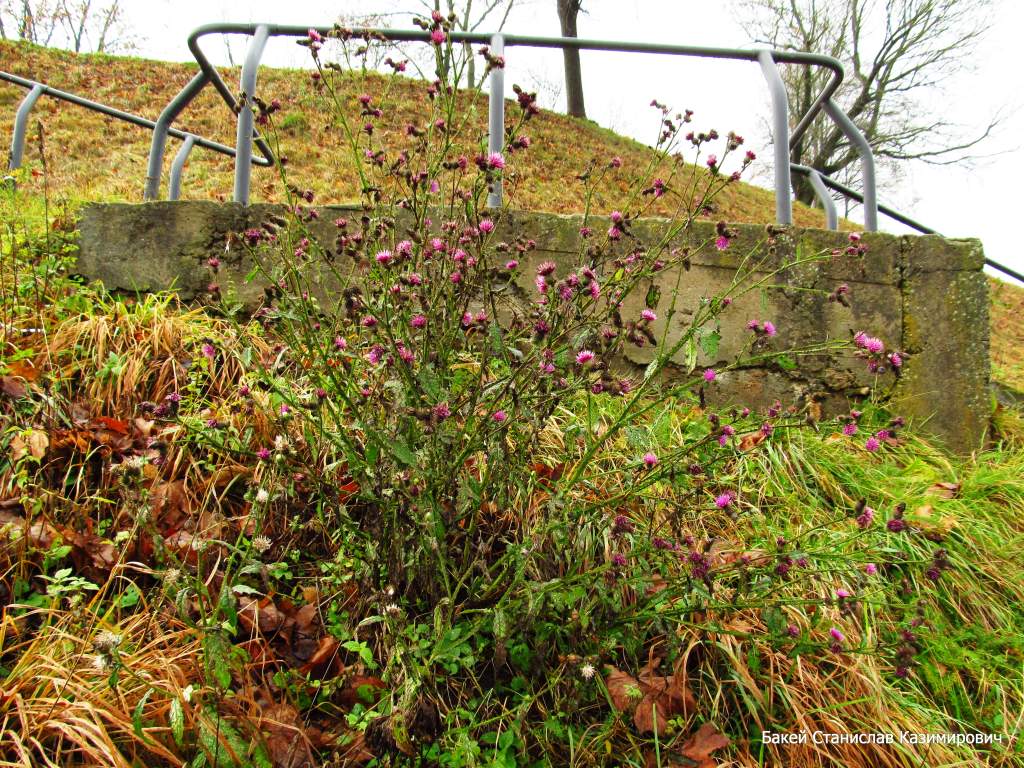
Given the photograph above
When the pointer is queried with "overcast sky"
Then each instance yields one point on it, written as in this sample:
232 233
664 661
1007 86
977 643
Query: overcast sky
983 201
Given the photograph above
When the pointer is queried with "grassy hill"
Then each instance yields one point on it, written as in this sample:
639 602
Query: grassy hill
80 142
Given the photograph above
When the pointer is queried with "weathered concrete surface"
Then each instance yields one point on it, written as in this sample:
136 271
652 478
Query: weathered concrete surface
925 296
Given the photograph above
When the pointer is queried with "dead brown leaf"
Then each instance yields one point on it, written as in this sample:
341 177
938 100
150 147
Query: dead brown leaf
701 744
929 520
23 369
356 752
324 662
752 440
12 387
945 490
260 615
652 698
286 738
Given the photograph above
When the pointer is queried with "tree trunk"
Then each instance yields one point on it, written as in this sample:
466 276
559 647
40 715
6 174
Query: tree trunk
567 12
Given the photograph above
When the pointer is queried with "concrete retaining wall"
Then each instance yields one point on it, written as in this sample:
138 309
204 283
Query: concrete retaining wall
926 296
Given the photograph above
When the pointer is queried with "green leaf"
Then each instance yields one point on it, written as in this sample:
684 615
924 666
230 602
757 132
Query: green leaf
177 718
690 350
129 597
709 342
137 716
429 381
653 296
402 453
785 363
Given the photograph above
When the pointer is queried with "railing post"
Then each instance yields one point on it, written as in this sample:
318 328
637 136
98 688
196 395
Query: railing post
831 217
177 166
780 137
243 139
496 116
163 124
867 163
21 126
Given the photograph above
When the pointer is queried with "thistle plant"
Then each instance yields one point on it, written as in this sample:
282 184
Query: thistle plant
517 501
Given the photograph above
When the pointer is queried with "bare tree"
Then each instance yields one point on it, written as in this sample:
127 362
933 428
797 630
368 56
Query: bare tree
36 21
568 10
81 25
897 54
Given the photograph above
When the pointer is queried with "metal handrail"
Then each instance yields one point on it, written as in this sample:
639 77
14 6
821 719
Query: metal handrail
37 89
784 139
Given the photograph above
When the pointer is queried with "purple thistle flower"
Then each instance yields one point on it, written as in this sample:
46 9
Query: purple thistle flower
438 36
418 321
842 594
209 351
618 560
495 161
769 328
499 416
710 375
850 429
584 356
723 500
511 264
486 226
340 343
546 268
896 525
870 569
442 411
650 460
383 257
865 518
721 242
263 454
648 315
871 444
837 635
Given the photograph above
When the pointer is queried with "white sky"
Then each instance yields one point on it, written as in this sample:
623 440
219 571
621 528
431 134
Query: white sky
980 202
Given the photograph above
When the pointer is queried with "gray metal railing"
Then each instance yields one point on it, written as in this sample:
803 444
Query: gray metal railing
37 89
783 137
